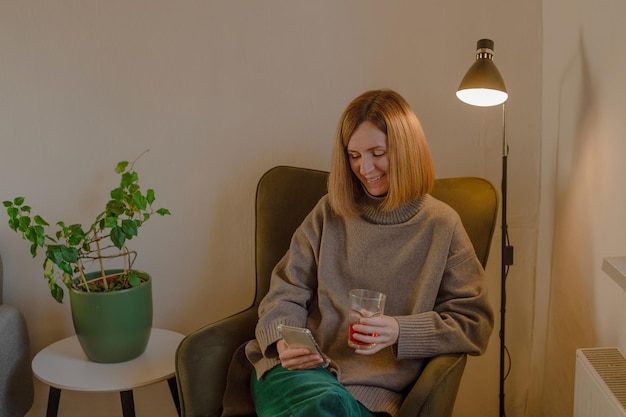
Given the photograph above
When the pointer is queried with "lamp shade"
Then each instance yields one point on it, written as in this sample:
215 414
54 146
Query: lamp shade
483 85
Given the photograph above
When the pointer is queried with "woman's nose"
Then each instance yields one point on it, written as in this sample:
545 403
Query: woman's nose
366 165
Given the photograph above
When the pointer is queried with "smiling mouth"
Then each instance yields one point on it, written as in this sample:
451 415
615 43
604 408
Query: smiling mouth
370 180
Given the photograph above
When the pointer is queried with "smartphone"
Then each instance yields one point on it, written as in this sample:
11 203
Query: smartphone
299 336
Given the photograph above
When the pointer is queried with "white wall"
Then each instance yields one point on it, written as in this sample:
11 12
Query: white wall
220 91
582 193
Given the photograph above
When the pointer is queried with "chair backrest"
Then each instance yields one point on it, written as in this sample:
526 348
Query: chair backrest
476 201
16 378
285 195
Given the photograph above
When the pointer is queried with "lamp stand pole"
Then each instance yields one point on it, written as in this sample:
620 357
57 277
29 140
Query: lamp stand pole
483 86
507 260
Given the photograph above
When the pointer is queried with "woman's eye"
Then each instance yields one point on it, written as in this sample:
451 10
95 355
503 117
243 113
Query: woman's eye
379 153
354 156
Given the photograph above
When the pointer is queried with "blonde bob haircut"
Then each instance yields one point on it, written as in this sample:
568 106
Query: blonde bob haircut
411 171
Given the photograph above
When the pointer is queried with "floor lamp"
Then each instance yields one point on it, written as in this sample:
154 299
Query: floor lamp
483 86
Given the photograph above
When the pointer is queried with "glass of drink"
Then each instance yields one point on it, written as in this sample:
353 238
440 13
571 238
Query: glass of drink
364 303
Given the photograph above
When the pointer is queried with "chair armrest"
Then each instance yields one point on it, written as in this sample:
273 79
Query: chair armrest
16 379
202 361
436 388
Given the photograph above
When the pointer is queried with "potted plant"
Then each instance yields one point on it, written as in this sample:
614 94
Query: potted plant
111 305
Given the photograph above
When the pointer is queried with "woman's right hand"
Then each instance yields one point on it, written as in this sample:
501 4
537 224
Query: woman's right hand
297 358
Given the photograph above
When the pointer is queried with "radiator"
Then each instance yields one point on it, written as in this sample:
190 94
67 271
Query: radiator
600 383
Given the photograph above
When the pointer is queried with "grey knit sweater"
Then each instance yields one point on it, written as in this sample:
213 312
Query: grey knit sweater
419 255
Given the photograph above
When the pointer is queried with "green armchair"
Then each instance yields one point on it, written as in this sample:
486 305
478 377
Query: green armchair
284 197
16 379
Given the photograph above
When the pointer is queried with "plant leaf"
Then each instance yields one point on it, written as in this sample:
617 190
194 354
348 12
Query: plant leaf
48 272
115 207
67 279
53 253
13 223
117 194
128 178
118 237
40 221
67 268
110 222
134 279
150 196
57 293
75 237
33 250
121 167
139 201
24 223
69 255
129 227
35 234
13 212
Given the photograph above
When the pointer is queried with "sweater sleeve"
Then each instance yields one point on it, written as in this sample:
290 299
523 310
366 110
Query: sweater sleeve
462 318
292 286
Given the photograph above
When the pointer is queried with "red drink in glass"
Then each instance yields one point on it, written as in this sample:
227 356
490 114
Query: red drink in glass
363 303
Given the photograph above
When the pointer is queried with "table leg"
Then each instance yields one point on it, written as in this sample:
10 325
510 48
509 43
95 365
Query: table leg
174 390
128 403
54 396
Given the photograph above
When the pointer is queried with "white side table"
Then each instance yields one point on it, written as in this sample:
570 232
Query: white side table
63 365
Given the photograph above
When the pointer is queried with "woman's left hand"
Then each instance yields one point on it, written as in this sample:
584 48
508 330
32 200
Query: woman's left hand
385 329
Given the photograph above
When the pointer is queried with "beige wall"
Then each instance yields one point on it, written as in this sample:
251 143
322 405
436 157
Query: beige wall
582 192
220 91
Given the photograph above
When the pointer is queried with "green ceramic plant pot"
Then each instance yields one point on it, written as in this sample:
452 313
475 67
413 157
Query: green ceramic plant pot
113 326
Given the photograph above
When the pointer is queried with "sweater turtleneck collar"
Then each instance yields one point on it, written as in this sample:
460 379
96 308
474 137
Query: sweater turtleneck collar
371 212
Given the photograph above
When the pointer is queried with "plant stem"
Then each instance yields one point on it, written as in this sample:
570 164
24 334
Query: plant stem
132 164
81 273
104 280
125 255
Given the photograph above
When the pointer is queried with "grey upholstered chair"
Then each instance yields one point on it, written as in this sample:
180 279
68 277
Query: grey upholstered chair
284 196
16 379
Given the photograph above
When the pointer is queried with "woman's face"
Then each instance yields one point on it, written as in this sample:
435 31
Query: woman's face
367 152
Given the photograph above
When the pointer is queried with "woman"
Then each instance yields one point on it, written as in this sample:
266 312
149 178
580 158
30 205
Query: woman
377 229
